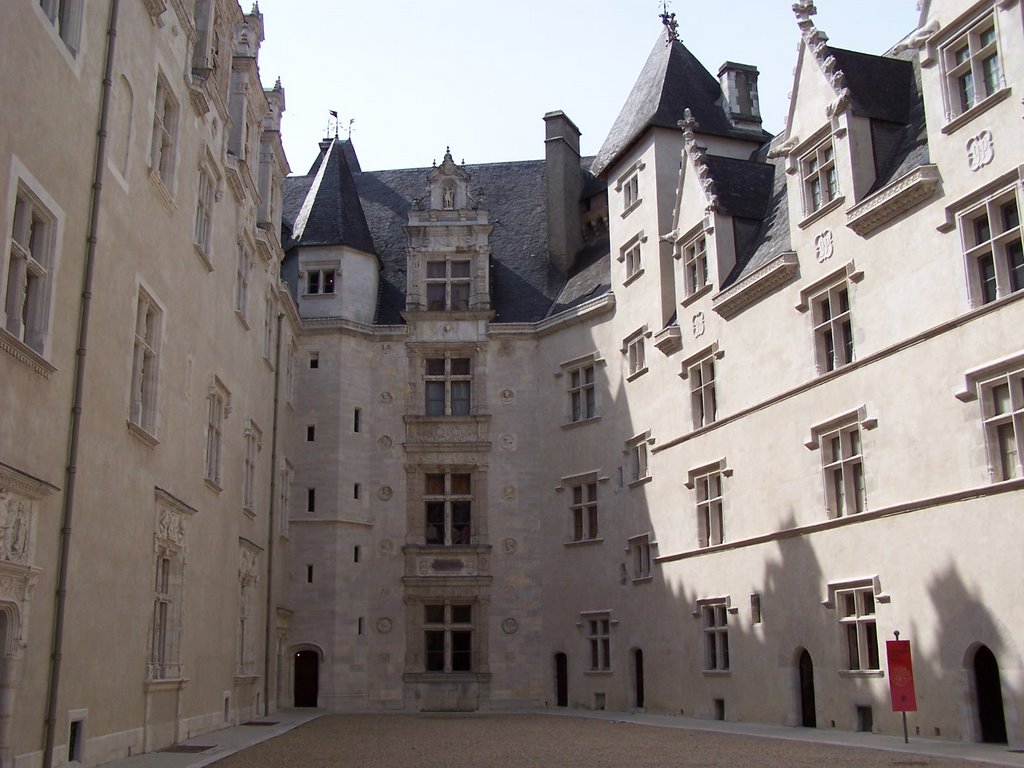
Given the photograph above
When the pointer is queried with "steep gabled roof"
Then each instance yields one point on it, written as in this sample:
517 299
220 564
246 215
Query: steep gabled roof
743 187
879 86
330 213
672 80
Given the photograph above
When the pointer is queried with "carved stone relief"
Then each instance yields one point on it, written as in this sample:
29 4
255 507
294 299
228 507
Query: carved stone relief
386 546
384 442
386 397
384 625
170 525
823 247
509 626
510 546
508 492
981 150
508 396
699 326
15 527
384 493
508 442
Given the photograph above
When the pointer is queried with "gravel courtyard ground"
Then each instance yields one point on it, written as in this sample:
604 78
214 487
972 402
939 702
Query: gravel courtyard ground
509 741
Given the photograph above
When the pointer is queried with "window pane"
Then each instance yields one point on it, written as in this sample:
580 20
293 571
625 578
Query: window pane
462 614
1015 264
460 398
460 297
851 646
435 297
434 651
461 484
435 522
435 269
329 281
435 398
871 638
433 614
462 651
435 366
987 276
460 366
460 269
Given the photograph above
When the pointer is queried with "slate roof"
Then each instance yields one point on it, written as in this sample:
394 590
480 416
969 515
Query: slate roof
329 213
743 186
524 284
772 237
879 85
672 80
912 150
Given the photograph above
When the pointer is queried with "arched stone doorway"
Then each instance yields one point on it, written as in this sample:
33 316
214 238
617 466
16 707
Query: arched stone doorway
561 680
808 715
988 693
307 678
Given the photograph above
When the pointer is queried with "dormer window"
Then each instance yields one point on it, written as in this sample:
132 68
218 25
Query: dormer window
448 284
320 282
973 71
695 264
820 181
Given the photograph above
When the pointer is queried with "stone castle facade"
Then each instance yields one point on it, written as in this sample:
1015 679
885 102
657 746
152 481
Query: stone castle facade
708 414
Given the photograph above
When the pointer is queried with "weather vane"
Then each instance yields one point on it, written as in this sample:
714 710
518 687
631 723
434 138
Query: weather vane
671 25
335 122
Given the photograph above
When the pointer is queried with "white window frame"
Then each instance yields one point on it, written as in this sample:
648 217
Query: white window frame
582 392
635 351
206 193
708 484
584 512
819 177
145 381
703 396
164 139
30 268
1002 400
628 183
450 283
993 246
966 81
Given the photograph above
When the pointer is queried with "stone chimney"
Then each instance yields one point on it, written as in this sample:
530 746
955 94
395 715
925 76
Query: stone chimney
739 95
562 170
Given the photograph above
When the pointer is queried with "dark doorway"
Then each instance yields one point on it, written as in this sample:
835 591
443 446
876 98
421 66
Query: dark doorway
808 718
561 680
307 678
990 697
638 673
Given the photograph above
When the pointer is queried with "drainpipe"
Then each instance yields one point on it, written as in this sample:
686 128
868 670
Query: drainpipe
71 471
271 533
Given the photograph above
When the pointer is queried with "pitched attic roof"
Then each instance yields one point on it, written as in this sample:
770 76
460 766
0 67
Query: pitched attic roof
524 284
879 85
329 213
672 80
743 187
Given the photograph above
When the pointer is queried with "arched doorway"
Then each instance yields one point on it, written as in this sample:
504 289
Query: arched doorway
989 693
808 717
561 680
638 678
307 678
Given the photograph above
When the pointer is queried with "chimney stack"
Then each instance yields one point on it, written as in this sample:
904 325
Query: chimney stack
562 170
739 92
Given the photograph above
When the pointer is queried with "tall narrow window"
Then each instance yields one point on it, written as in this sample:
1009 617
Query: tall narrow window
448 637
268 329
636 459
857 623
448 285
253 442
833 327
584 512
66 17
216 406
993 248
695 265
165 134
29 271
820 181
447 383
1003 410
242 274
448 497
204 210
716 637
145 364
843 467
582 402
703 400
640 555
710 523
599 640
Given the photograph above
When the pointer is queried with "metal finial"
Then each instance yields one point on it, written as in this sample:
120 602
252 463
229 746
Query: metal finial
671 25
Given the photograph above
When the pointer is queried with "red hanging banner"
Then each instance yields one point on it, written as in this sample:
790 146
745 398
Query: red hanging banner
901 676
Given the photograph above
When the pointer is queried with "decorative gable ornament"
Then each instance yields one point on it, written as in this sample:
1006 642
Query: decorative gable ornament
697 155
447 187
817 43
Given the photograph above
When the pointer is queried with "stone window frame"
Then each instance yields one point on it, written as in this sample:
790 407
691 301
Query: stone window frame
208 181
628 183
442 462
968 35
836 594
447 627
638 459
999 248
631 256
419 353
218 401
243 280
163 147
25 329
449 282
848 468
64 19
713 613
286 478
982 384
596 630
581 408
635 352
248 611
325 274
814 299
695 266
710 509
819 176
640 552
253 437
415 660
144 390
449 381
448 497
170 557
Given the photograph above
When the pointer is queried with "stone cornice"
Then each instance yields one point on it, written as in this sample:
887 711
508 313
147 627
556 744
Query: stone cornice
893 199
24 483
755 285
25 354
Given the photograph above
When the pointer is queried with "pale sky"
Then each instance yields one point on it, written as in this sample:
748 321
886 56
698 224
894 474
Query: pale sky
478 75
